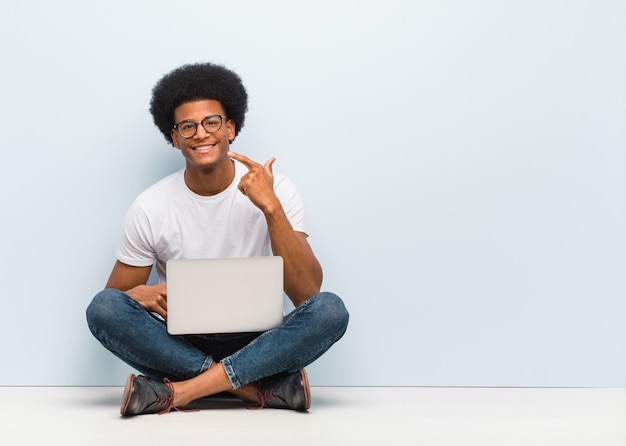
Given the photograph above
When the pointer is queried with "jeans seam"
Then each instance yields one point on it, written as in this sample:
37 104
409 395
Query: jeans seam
230 373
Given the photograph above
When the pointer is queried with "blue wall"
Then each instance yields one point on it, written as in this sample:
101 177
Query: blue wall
462 162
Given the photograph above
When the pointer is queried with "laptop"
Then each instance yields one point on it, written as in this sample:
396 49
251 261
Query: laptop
225 295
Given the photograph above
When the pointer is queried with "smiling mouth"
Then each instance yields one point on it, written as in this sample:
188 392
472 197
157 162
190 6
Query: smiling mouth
203 149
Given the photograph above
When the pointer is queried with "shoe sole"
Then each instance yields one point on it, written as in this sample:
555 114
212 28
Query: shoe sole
128 391
307 389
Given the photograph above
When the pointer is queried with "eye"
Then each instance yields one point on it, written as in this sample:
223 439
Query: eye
187 125
212 121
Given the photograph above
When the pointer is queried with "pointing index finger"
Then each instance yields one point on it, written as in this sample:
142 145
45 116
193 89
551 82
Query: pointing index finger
243 159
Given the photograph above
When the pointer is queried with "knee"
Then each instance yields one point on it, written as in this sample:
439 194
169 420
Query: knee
334 311
102 308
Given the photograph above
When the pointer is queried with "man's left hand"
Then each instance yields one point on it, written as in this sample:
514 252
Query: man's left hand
258 183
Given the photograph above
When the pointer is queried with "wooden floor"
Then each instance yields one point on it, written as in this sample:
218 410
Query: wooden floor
339 416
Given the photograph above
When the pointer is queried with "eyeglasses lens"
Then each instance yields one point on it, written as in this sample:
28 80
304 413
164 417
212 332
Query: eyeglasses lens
188 128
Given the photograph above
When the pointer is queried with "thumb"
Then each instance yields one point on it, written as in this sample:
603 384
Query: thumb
268 167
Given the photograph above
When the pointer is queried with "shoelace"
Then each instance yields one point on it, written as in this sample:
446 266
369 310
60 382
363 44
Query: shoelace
264 397
169 401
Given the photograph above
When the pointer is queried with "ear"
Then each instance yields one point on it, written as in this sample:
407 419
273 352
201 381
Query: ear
230 130
174 135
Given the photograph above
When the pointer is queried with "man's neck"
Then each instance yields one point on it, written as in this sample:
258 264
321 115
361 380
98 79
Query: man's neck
211 180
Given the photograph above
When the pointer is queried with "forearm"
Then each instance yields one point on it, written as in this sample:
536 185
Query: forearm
303 273
125 277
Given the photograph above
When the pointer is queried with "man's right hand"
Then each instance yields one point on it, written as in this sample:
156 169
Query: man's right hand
151 297
132 280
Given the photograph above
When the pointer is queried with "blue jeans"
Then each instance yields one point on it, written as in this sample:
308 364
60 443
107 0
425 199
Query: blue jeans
141 340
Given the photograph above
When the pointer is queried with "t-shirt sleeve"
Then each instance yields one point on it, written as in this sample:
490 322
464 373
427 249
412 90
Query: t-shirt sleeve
136 247
292 203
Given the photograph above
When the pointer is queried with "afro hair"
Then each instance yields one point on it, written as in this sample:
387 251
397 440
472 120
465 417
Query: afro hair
195 82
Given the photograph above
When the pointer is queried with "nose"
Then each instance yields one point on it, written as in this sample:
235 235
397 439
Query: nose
200 132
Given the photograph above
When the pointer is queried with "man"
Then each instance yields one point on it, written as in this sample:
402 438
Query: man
222 204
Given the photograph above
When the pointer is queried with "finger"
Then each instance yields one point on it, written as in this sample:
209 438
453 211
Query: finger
158 308
268 167
163 313
161 306
161 301
243 159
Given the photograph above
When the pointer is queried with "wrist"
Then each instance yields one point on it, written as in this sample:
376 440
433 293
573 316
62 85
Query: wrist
273 210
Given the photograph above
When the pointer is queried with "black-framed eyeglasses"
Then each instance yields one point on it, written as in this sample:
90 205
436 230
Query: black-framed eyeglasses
211 124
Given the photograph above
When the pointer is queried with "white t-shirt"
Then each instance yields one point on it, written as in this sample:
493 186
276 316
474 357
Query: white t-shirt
169 221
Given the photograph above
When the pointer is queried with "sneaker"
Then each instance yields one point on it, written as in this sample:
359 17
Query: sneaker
286 391
143 395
